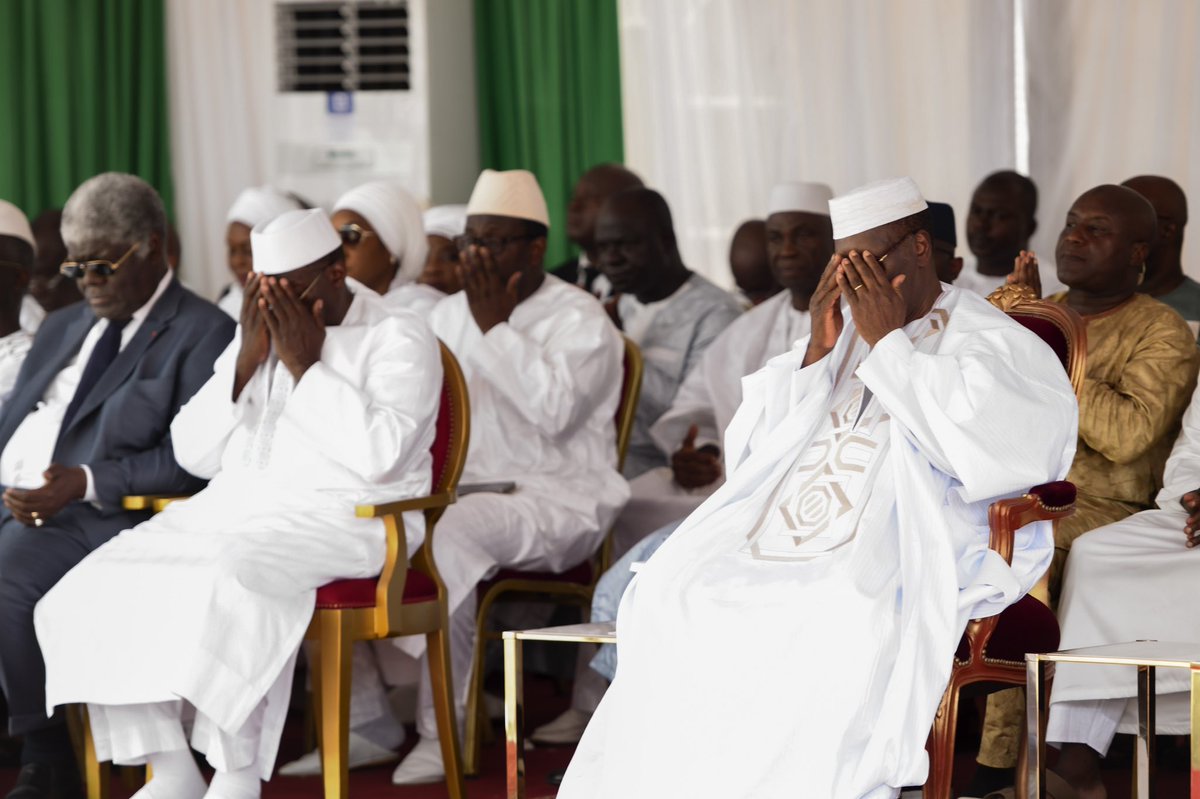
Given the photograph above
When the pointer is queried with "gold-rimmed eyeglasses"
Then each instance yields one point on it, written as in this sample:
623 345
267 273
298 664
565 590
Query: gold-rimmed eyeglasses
97 266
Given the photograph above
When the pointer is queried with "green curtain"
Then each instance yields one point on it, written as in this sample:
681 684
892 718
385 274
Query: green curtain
549 83
83 89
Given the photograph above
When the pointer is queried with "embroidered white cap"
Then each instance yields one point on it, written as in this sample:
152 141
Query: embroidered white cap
292 240
514 193
258 204
809 198
14 223
874 205
446 221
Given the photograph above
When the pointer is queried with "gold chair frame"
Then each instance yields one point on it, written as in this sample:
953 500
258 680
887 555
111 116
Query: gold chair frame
335 630
561 591
1005 518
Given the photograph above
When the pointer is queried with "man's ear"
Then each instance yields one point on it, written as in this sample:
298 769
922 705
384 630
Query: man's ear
1032 226
1167 231
956 268
537 251
1139 253
336 273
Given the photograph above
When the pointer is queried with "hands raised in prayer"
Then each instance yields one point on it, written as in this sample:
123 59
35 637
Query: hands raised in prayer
826 312
696 468
876 303
1191 503
33 507
1025 272
490 298
297 331
256 341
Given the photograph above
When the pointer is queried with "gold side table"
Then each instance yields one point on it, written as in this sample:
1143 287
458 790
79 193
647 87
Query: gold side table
1146 656
514 689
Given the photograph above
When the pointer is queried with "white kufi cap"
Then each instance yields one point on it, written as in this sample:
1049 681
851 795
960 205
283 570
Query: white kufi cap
13 223
514 193
874 205
808 198
446 221
395 216
292 240
259 204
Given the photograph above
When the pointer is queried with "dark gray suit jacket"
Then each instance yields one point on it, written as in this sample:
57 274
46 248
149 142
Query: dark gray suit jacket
122 430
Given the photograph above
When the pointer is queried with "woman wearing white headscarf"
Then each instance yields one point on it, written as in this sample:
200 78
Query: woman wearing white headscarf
254 206
384 240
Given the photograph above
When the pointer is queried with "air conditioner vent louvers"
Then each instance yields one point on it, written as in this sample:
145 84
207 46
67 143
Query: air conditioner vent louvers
347 46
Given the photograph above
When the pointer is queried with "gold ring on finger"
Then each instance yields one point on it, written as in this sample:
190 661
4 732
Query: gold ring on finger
856 288
34 514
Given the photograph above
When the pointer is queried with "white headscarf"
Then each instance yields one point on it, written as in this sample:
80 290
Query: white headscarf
396 218
259 204
447 221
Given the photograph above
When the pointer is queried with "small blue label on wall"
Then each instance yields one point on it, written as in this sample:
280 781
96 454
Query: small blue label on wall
340 102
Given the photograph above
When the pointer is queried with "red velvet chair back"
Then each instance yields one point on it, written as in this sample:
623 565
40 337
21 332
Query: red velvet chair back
1063 330
453 433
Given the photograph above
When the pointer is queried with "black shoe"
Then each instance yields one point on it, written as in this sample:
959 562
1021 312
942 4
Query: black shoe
46 781
556 777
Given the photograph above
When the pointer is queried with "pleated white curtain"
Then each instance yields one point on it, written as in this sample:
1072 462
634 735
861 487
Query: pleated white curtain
724 98
1114 91
218 67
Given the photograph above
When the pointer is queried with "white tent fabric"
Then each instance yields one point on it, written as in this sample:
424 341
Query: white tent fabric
1114 91
723 99
218 65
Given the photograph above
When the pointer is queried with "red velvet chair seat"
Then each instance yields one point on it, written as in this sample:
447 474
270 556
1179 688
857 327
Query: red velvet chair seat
344 594
579 575
1027 626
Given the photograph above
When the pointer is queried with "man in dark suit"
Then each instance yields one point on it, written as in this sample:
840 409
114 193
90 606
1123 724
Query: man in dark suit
594 187
88 423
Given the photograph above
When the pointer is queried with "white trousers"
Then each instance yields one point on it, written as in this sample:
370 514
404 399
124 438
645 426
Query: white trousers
476 537
128 734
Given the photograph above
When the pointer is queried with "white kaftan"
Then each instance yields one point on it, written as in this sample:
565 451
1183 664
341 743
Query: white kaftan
13 349
810 608
208 601
544 389
1129 581
708 399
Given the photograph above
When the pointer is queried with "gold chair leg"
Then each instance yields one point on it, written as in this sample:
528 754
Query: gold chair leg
437 647
333 706
475 714
96 775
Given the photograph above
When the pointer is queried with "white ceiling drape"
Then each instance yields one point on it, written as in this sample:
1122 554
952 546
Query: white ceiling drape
1114 91
724 98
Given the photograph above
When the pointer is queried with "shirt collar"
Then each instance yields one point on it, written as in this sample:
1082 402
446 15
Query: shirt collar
140 314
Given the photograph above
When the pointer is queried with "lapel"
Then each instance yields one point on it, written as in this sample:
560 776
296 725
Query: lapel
156 322
31 393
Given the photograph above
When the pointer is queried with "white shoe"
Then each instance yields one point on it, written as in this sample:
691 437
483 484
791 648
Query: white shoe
361 753
423 764
566 729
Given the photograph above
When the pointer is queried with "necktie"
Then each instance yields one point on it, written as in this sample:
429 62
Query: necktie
104 353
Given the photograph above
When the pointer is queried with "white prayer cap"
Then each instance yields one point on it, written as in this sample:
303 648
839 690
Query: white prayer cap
292 240
874 205
259 204
514 193
395 216
13 223
808 198
446 221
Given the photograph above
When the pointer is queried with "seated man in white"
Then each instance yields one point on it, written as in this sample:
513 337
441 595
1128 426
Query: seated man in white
1128 581
862 464
670 312
17 260
799 244
543 369
324 400
254 206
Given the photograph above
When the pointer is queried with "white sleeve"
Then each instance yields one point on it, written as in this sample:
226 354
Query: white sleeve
202 427
1182 473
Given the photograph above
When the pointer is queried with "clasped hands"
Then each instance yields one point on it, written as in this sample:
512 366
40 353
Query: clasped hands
696 467
490 297
876 303
1191 529
272 314
35 506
